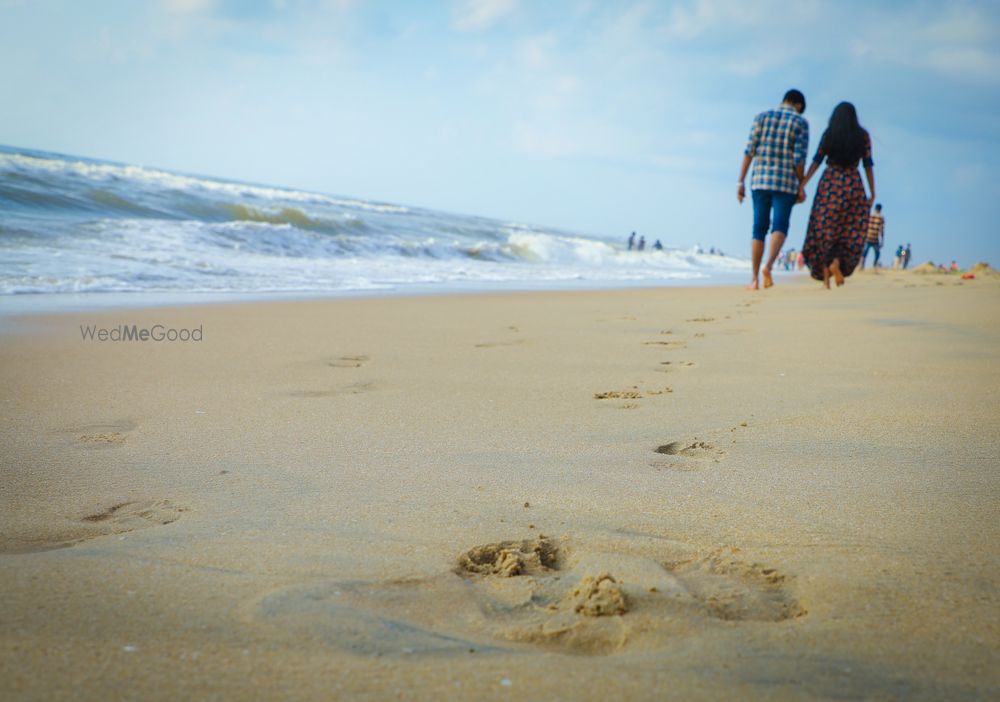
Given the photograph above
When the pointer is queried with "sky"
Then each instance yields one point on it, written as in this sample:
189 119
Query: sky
595 117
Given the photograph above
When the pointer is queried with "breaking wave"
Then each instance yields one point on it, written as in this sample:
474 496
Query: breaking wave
71 224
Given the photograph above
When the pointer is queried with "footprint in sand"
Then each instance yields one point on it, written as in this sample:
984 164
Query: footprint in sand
351 389
618 395
102 439
734 590
509 558
493 344
699 450
679 466
702 319
599 602
100 435
666 344
669 366
119 518
348 361
535 593
128 516
632 394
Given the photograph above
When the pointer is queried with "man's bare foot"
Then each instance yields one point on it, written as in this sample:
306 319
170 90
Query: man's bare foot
826 277
753 286
837 275
768 280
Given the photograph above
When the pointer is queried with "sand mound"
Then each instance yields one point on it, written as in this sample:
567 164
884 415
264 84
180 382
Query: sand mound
927 267
597 597
984 269
510 558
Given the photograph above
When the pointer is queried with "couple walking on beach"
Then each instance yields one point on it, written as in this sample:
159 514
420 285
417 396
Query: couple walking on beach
838 223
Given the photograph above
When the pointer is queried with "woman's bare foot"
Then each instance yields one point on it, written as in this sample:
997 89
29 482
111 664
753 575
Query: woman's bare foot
768 280
837 275
826 277
754 285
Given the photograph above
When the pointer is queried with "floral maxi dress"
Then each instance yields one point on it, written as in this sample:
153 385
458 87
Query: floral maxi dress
838 222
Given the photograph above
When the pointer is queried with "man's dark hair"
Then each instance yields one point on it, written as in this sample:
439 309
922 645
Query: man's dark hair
795 97
878 206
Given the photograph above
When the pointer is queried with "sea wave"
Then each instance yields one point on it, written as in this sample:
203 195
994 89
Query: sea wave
71 224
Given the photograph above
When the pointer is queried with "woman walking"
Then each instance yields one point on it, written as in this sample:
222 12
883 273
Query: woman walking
838 222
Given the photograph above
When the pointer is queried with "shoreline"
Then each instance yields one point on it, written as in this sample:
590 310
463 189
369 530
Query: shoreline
792 491
24 304
41 304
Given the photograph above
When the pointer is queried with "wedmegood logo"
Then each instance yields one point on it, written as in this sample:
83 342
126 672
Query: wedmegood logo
126 332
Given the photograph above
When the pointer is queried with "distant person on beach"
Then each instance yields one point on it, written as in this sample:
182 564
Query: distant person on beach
631 241
954 267
778 145
642 243
906 257
876 236
838 222
658 246
790 259
898 261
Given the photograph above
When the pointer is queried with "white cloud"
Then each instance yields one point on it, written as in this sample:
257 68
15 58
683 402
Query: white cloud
340 5
968 175
966 62
688 21
474 15
964 44
959 44
965 27
551 141
700 16
559 93
535 52
754 64
188 7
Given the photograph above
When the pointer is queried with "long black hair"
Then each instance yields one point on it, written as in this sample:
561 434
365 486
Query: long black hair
844 140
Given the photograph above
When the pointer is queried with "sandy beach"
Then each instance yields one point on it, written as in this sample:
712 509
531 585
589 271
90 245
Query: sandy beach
690 493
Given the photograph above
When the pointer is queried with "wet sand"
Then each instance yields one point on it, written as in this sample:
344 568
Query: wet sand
700 493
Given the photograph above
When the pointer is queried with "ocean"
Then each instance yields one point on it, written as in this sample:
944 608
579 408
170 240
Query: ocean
71 226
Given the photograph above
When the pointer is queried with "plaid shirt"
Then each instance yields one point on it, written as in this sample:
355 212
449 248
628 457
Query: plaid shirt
779 141
876 225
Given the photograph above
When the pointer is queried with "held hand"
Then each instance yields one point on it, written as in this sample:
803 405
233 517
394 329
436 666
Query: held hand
802 194
740 193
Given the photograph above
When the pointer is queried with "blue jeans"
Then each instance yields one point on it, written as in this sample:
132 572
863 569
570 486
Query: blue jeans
763 202
868 246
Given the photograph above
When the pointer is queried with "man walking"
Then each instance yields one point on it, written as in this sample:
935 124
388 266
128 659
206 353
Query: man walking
779 140
876 236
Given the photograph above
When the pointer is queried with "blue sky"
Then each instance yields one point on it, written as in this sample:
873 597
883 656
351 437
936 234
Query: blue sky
599 117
